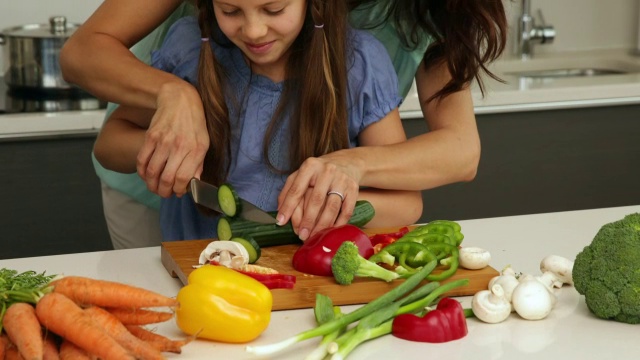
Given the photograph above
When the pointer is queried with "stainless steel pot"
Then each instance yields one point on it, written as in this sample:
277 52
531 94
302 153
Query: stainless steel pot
31 54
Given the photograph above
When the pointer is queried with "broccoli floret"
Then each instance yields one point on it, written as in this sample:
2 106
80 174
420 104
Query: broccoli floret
347 263
607 271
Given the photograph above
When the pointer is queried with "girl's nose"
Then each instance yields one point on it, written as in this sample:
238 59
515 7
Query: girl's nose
254 29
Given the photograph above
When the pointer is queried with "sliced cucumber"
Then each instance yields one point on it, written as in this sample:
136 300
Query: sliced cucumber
228 200
224 229
252 247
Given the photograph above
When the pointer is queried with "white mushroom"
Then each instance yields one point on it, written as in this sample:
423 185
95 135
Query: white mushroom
507 280
226 253
491 306
532 299
474 258
557 270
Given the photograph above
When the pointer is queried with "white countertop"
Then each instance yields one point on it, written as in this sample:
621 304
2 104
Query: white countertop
570 332
52 124
558 93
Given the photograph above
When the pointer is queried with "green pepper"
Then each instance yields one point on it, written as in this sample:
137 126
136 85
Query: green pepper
430 238
436 231
439 225
408 254
411 256
451 252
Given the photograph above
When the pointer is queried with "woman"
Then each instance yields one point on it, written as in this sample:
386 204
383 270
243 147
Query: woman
445 47
274 95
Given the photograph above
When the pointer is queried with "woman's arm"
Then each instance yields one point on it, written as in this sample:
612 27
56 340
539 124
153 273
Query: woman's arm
97 58
448 153
338 171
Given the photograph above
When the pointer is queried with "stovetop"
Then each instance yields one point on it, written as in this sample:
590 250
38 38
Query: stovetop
29 100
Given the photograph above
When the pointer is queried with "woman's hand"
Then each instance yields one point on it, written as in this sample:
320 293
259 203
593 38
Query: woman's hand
176 141
320 194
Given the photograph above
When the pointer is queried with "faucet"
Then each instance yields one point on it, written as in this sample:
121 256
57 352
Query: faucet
528 32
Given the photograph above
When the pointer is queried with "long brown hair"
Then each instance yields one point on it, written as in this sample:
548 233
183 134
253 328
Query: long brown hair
314 93
468 34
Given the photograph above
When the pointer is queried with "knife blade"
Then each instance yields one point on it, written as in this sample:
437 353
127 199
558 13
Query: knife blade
206 195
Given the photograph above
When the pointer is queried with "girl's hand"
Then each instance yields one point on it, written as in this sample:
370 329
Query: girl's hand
176 141
321 194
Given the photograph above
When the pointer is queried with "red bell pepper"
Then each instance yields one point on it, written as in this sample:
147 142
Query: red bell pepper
314 256
445 323
379 241
271 281
381 238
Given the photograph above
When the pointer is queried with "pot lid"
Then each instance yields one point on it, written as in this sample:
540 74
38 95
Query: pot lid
57 28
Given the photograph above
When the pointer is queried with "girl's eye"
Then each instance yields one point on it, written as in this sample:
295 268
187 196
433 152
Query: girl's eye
274 12
231 13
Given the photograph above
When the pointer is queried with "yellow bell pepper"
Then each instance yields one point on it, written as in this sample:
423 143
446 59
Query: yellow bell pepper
222 304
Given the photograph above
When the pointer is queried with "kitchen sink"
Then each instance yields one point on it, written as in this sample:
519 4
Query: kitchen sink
567 67
567 72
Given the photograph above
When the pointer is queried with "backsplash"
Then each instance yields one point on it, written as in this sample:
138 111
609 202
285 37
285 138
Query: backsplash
579 24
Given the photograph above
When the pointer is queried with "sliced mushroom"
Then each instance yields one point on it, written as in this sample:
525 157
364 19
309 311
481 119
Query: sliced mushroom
226 253
474 258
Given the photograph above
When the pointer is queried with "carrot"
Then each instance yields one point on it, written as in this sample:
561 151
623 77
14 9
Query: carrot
69 351
158 341
86 291
119 332
12 353
51 351
62 316
4 344
139 316
24 330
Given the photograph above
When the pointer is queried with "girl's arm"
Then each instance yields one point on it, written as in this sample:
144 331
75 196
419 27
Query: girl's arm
97 58
121 138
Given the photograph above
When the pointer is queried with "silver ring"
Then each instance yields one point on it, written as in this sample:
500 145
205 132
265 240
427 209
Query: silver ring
336 193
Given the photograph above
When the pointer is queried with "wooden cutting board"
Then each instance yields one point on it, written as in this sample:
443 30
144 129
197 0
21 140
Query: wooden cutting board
178 257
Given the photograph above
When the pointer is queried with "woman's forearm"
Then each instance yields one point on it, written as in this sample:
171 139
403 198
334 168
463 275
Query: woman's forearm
97 57
424 162
393 207
449 152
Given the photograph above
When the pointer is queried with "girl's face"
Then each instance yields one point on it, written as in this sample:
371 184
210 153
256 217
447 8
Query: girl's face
263 29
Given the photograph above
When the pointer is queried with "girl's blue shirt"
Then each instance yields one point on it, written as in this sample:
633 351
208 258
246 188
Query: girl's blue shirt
373 93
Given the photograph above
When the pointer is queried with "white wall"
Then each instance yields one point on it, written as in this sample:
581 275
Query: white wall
580 24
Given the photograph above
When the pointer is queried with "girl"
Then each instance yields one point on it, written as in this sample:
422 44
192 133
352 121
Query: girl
280 81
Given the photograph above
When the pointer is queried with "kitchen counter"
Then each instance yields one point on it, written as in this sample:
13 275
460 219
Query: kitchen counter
50 124
527 94
570 332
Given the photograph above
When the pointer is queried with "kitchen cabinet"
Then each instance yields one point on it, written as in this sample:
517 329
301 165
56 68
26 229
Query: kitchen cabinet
545 161
51 198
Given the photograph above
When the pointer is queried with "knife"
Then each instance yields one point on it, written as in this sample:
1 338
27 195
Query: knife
206 195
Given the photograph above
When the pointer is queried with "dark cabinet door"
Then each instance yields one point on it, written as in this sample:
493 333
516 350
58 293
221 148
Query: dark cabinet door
545 161
51 200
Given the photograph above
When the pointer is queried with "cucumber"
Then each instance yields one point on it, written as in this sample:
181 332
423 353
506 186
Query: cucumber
271 234
228 200
252 247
